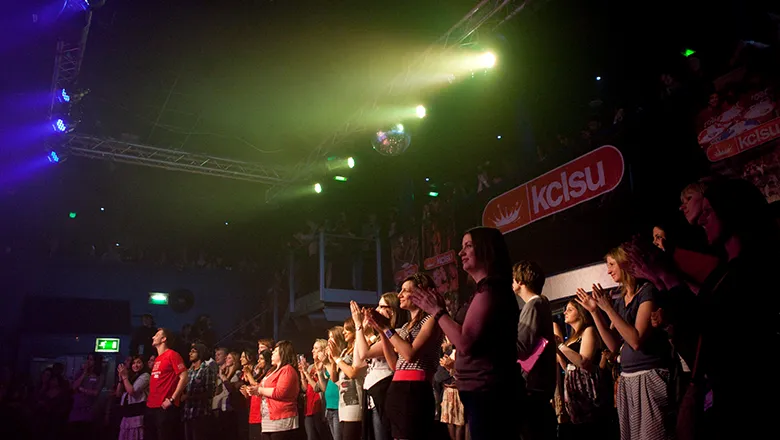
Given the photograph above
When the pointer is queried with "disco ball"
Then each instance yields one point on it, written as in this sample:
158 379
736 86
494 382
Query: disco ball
391 142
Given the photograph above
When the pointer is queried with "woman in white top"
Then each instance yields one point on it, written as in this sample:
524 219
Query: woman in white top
379 374
133 387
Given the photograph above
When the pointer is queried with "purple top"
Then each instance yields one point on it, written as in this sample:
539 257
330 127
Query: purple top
487 353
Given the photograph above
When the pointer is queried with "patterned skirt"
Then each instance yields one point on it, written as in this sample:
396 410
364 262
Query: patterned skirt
132 428
452 408
645 410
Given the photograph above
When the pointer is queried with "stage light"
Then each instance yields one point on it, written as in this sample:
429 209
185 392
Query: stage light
59 126
421 112
102 209
427 179
688 52
317 188
433 194
487 60
351 162
63 96
399 128
227 223
340 178
498 137
53 157
598 78
72 214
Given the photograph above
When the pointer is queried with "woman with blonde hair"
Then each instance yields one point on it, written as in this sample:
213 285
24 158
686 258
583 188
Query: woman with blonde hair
645 408
335 334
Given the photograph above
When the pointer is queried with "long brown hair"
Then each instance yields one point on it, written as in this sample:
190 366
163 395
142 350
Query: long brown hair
349 326
286 356
423 281
586 320
338 337
627 280
391 298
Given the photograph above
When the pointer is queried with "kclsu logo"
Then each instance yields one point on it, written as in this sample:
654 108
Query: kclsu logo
569 187
584 178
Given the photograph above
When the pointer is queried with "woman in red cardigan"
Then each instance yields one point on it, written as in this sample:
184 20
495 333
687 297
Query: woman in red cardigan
279 390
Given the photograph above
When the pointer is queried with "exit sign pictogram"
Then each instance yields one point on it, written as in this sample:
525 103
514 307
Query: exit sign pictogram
107 345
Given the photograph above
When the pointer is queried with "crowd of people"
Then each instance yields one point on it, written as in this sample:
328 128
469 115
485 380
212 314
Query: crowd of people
644 361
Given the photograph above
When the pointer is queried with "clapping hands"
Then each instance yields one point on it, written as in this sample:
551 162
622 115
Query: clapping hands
430 301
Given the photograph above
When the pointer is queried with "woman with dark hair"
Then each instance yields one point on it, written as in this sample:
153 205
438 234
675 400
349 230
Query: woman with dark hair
279 392
414 352
250 377
486 366
133 389
736 219
86 389
350 375
579 356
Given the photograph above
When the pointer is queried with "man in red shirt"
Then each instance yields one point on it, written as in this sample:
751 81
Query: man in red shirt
169 379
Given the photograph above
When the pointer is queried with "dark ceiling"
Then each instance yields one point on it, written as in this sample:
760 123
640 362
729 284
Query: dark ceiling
266 81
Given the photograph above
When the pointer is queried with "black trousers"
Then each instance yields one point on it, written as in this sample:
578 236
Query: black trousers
163 424
199 428
539 421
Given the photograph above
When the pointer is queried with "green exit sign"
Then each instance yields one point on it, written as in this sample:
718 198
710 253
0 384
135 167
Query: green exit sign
107 345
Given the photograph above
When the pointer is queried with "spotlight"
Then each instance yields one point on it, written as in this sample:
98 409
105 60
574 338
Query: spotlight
53 157
63 96
498 137
399 128
72 214
598 78
688 52
351 162
487 60
421 111
340 178
59 126
433 194
317 188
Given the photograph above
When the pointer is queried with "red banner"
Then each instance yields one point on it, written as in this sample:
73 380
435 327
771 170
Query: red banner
744 141
405 272
589 176
440 260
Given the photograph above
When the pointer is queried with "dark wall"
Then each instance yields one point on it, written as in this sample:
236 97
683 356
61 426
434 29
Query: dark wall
225 295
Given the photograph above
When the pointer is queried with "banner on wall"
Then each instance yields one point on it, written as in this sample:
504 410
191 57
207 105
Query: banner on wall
584 178
444 270
405 252
739 130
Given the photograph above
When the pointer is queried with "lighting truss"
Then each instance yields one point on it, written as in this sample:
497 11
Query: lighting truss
67 62
175 160
487 15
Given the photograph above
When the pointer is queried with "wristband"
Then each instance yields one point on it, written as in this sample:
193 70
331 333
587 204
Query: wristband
439 314
337 360
359 328
561 345
389 333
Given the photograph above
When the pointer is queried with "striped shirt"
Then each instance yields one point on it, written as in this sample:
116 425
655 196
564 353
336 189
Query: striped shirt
428 360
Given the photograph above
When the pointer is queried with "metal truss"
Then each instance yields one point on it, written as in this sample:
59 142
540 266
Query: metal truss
175 160
67 62
486 16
